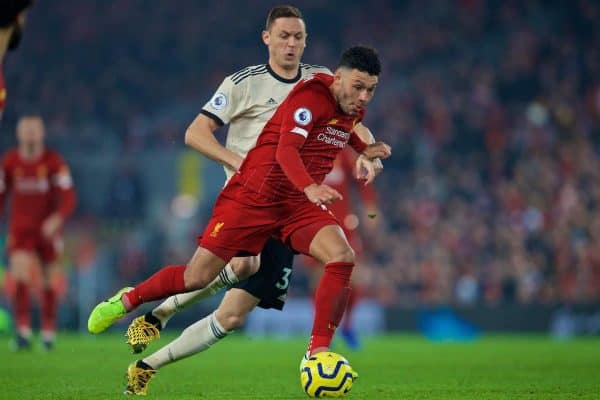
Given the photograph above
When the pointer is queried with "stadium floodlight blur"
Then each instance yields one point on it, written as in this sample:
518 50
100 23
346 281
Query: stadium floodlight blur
494 108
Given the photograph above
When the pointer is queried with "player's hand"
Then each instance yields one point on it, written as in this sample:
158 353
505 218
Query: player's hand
236 162
377 150
51 225
321 194
366 170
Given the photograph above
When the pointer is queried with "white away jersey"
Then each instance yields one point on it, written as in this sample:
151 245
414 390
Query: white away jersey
247 99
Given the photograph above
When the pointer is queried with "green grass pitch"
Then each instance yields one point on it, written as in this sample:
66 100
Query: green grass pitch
390 367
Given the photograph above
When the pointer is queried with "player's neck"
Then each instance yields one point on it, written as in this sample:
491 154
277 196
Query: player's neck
31 152
282 72
333 89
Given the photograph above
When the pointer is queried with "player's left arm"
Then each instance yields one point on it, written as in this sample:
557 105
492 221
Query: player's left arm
363 142
62 185
370 151
365 134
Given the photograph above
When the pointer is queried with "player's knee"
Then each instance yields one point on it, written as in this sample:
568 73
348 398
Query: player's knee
52 272
20 265
344 254
20 275
195 279
233 321
244 267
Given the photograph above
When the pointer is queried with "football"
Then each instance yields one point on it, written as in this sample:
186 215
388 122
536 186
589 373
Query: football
327 374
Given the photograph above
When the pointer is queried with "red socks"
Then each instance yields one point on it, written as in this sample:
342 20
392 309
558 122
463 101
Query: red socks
49 307
166 282
22 307
330 302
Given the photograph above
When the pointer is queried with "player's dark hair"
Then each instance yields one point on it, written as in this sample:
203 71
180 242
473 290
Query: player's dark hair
362 58
10 9
284 11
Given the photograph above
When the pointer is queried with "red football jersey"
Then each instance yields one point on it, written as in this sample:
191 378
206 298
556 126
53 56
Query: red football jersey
298 145
37 188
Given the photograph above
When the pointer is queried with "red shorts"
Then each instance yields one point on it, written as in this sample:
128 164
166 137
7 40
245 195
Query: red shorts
243 221
49 250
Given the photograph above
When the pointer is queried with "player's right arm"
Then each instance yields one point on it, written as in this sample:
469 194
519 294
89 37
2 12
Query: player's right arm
227 103
200 136
294 131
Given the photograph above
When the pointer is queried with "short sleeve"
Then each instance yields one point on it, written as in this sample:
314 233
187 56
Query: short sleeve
227 102
304 108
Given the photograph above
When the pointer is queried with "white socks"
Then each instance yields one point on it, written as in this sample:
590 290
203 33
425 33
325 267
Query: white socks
194 339
178 302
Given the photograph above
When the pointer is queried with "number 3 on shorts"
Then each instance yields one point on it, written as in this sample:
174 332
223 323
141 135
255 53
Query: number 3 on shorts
284 282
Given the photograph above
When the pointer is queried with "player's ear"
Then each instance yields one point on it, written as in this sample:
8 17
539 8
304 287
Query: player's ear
337 75
266 37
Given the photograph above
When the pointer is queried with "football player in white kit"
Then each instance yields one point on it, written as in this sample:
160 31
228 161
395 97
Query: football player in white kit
245 101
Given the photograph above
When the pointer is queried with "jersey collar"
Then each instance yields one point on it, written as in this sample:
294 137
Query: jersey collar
282 79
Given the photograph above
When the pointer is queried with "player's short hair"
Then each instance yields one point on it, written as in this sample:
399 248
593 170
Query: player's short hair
284 11
30 117
362 58
11 9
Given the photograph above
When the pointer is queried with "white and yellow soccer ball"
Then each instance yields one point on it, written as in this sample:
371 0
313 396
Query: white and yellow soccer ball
327 374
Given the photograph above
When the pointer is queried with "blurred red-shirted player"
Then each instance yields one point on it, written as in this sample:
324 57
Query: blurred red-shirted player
346 211
40 188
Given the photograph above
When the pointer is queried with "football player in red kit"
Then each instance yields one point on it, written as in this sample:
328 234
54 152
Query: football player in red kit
40 189
12 20
278 191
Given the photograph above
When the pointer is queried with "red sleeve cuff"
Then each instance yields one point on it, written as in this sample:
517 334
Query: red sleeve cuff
302 182
357 143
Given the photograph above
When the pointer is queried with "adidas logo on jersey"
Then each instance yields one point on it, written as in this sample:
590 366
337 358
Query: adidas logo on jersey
271 101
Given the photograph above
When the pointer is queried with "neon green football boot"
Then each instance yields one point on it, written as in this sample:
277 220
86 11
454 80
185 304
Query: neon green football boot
107 313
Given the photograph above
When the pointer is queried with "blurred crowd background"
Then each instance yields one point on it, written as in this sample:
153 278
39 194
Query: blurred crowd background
492 108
